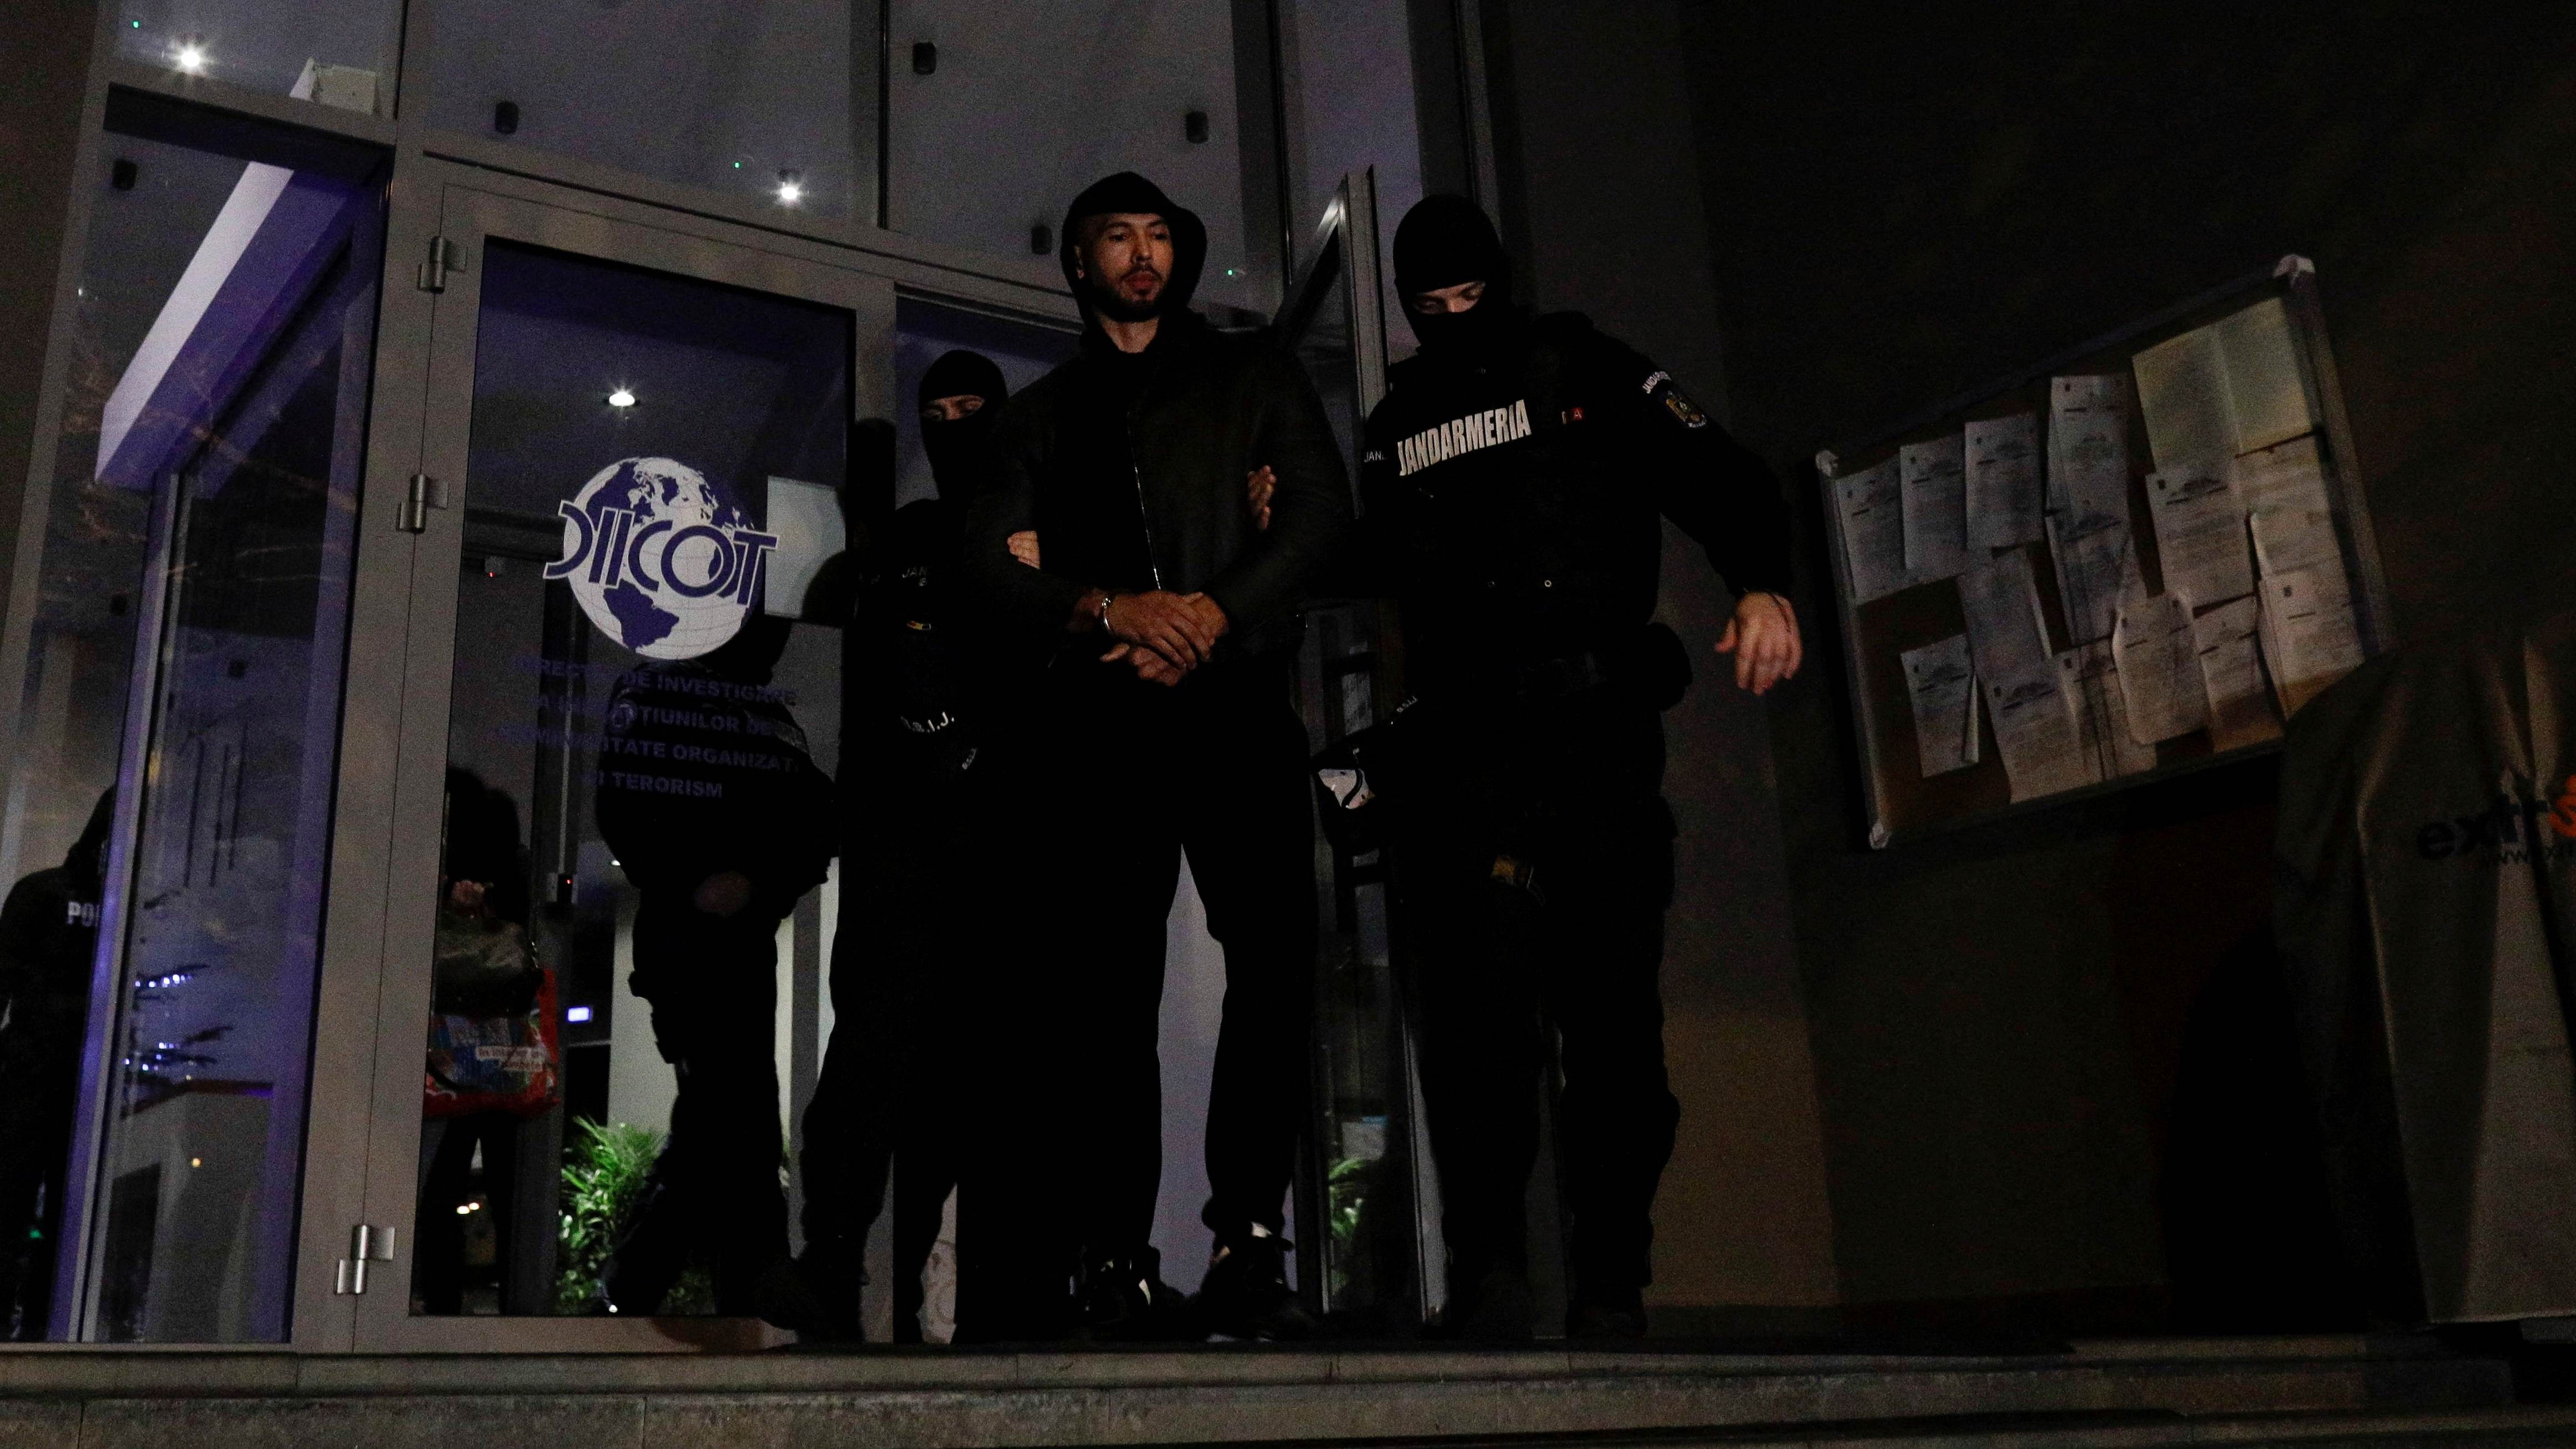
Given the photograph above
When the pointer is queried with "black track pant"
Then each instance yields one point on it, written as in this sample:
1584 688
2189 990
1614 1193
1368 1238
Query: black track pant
1578 948
910 960
713 988
1136 776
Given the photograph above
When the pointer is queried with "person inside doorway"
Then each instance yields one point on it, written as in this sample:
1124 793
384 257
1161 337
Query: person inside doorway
722 820
918 732
1516 476
1164 727
48 952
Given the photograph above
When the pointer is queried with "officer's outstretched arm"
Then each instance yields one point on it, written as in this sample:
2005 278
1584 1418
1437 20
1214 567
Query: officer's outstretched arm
1727 499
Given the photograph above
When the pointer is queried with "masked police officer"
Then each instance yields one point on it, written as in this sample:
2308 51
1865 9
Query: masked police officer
1515 478
917 734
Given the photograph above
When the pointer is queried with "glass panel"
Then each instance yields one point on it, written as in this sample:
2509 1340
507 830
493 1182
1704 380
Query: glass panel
1013 120
170 799
632 705
773 102
336 52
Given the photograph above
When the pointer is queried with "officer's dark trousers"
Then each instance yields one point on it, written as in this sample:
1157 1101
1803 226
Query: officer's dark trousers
1577 948
911 956
1136 777
713 987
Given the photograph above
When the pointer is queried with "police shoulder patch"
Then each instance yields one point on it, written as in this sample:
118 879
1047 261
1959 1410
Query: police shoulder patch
1659 385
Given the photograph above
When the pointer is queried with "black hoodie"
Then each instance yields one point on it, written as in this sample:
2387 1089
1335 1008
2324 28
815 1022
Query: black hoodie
1132 468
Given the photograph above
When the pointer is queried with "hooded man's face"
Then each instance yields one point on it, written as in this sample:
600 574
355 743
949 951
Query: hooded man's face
1127 262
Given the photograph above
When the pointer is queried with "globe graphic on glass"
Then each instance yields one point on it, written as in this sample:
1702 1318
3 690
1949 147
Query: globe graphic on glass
652 618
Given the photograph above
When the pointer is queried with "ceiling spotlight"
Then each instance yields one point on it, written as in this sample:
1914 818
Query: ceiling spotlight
192 56
621 399
791 188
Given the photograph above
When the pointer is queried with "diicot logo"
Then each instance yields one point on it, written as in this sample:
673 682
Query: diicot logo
660 559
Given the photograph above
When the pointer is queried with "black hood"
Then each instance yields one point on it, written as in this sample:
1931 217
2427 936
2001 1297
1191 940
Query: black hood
86 863
1445 240
1130 192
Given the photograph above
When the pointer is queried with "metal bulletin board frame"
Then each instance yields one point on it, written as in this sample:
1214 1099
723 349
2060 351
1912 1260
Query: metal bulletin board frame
1903 804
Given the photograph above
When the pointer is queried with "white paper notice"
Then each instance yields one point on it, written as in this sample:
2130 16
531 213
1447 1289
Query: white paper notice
1942 687
2309 633
2096 569
1873 519
2285 476
2182 395
2159 663
2200 533
2265 393
2003 489
2286 539
1936 513
2088 444
2101 712
2036 732
2231 672
2005 635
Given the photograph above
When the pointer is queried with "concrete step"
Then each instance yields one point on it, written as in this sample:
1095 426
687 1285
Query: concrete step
2310 1391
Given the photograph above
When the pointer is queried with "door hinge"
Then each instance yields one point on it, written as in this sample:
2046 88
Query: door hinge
444 257
367 1244
424 494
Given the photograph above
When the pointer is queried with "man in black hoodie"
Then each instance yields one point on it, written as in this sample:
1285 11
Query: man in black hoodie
1516 476
1165 727
917 726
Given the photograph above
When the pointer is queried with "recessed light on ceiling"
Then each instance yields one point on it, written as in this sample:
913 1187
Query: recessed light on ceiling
191 57
621 399
791 188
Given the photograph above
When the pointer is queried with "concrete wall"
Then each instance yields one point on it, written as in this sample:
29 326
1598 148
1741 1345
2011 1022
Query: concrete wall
44 45
1594 126
1908 202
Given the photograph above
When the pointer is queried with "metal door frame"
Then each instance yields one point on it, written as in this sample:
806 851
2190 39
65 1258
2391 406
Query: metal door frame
394 734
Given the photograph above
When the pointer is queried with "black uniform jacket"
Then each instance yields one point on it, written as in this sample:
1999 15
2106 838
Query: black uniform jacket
917 692
1132 468
1513 497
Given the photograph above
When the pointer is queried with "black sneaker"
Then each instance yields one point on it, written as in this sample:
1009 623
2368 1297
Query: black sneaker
1122 1298
1495 1307
1246 1292
815 1295
1617 1314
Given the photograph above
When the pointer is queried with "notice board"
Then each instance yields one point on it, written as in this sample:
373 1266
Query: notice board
2129 561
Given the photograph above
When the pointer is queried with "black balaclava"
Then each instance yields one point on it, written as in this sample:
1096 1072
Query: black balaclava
1129 192
954 449
1445 240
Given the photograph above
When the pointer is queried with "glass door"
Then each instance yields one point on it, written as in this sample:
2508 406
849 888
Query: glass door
606 910
1368 1179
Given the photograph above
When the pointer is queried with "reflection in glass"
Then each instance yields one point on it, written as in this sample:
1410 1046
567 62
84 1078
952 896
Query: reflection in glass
651 505
1014 119
769 103
181 705
337 52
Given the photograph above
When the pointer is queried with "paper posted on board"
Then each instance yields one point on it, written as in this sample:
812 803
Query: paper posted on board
1871 506
2231 672
2111 747
2231 387
2286 475
2003 487
2037 734
2097 567
2159 662
2200 533
2088 444
1941 685
2001 603
2290 539
1936 515
2309 632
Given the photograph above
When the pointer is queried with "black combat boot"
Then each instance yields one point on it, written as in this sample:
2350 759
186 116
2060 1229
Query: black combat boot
815 1295
1122 1298
1246 1292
